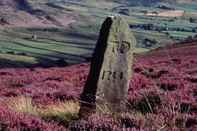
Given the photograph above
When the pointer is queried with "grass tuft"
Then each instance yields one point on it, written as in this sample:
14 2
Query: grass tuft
61 112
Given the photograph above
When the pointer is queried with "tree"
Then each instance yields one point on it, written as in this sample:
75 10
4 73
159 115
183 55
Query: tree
34 37
191 20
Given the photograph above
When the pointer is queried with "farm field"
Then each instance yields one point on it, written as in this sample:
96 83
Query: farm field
66 31
162 95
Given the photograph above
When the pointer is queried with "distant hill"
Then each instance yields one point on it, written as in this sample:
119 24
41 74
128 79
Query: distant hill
29 13
15 4
152 2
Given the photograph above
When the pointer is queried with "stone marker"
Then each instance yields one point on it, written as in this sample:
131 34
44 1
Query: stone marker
110 72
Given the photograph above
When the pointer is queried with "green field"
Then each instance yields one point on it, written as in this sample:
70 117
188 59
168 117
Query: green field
75 44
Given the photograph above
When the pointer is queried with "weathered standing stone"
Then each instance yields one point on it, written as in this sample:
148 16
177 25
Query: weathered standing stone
110 72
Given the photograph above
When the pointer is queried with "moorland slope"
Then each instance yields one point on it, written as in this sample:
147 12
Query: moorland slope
162 94
26 13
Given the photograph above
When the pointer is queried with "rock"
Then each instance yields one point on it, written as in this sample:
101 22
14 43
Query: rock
107 85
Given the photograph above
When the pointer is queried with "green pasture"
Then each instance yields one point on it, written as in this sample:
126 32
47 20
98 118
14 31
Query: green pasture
75 44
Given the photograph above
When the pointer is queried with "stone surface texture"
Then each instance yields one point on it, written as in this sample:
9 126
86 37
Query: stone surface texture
107 85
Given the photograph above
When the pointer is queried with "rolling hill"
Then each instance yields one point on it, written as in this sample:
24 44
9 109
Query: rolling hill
16 4
50 31
26 13
153 2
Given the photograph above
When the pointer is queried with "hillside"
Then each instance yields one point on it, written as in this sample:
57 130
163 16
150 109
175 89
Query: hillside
25 13
15 4
153 2
157 1
162 94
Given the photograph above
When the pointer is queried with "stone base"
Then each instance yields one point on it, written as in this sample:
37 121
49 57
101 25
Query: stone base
86 110
109 108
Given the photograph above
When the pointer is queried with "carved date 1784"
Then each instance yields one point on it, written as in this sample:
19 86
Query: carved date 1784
109 75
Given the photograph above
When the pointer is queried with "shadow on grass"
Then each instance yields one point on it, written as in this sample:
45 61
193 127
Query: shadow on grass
6 63
50 59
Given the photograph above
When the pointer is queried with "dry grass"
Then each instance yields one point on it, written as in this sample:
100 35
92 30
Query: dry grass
22 104
62 111
140 50
19 58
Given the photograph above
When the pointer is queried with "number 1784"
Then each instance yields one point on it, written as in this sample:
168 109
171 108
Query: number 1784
109 75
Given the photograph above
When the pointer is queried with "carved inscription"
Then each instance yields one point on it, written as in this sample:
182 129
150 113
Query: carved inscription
121 48
120 45
110 75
